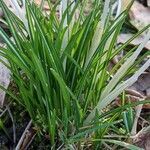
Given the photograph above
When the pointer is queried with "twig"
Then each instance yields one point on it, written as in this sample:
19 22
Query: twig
13 122
115 136
30 141
23 136
60 147
107 146
140 97
144 122
138 112
134 93
3 112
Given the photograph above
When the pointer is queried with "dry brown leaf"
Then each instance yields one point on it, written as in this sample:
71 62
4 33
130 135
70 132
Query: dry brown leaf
143 87
131 99
4 80
143 83
142 138
139 90
140 15
124 37
45 6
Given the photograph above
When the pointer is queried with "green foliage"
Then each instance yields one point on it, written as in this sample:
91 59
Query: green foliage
61 69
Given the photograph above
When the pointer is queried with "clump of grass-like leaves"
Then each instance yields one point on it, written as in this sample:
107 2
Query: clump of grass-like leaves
61 69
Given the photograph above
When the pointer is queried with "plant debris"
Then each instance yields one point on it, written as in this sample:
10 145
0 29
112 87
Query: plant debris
139 15
124 37
4 80
142 138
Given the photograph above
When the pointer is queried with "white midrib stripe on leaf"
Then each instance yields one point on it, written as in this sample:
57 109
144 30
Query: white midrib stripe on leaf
111 96
98 32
